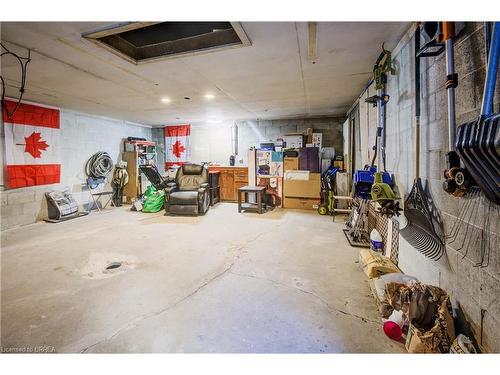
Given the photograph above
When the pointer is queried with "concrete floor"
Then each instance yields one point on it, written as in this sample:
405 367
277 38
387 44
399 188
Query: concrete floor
282 282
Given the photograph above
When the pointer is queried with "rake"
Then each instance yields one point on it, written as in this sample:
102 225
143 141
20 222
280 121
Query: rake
423 218
476 227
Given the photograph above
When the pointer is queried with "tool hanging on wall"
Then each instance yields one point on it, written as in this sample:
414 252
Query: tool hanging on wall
474 234
433 39
457 179
423 218
383 194
478 142
381 190
382 67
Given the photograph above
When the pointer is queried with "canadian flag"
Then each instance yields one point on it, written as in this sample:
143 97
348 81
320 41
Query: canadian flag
31 145
177 145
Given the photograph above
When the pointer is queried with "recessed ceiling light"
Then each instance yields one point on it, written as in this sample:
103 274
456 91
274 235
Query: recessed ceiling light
209 96
165 100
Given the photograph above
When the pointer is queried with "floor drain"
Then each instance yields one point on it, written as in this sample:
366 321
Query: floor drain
113 265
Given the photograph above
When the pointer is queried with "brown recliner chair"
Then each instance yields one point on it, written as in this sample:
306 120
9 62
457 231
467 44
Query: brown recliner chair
189 195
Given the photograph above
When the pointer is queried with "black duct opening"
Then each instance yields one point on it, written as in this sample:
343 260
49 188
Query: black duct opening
140 42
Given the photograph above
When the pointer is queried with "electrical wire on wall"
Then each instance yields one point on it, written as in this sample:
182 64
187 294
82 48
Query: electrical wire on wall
23 62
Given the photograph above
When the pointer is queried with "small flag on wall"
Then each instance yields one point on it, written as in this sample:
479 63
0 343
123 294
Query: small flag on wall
31 145
177 145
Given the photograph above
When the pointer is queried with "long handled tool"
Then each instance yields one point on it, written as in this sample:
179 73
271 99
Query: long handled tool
381 192
478 142
382 67
457 179
423 220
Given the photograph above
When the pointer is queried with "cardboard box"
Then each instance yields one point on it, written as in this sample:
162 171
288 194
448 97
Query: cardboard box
301 203
291 164
309 159
294 140
269 163
317 140
303 188
339 164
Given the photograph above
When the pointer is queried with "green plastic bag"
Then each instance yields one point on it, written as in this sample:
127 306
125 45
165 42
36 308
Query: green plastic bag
149 190
154 202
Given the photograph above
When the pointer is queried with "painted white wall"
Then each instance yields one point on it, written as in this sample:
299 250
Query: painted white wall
81 136
211 142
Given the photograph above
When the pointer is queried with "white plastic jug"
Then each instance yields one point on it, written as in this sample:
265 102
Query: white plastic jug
376 242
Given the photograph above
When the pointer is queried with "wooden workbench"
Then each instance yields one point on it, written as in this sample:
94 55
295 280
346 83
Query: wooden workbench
231 179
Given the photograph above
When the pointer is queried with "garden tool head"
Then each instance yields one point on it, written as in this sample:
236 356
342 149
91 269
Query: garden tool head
424 222
383 194
478 142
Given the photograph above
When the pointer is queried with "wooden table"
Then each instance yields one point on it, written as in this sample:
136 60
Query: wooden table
259 192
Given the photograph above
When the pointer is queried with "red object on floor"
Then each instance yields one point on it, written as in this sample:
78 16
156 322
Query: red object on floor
392 330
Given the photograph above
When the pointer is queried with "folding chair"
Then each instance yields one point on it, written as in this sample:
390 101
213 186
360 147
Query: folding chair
97 192
153 175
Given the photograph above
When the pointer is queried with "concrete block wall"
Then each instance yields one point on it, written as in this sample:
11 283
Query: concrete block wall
212 142
471 288
81 136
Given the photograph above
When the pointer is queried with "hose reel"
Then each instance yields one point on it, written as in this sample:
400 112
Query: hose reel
99 166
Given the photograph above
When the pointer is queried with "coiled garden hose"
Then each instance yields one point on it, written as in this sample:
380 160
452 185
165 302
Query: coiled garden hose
99 165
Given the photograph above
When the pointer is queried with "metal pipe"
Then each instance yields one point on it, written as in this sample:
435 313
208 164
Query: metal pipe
417 104
382 135
491 72
380 129
234 139
487 44
450 71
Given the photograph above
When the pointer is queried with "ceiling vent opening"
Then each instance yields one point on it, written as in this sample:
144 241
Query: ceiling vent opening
146 41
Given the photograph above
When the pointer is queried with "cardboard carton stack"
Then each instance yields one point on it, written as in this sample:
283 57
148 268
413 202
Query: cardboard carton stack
302 180
301 190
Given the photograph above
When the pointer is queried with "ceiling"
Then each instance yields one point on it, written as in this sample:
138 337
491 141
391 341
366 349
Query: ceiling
272 78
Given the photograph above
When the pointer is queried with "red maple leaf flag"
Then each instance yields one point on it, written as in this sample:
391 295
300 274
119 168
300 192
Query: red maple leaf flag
178 149
35 145
31 145
177 145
